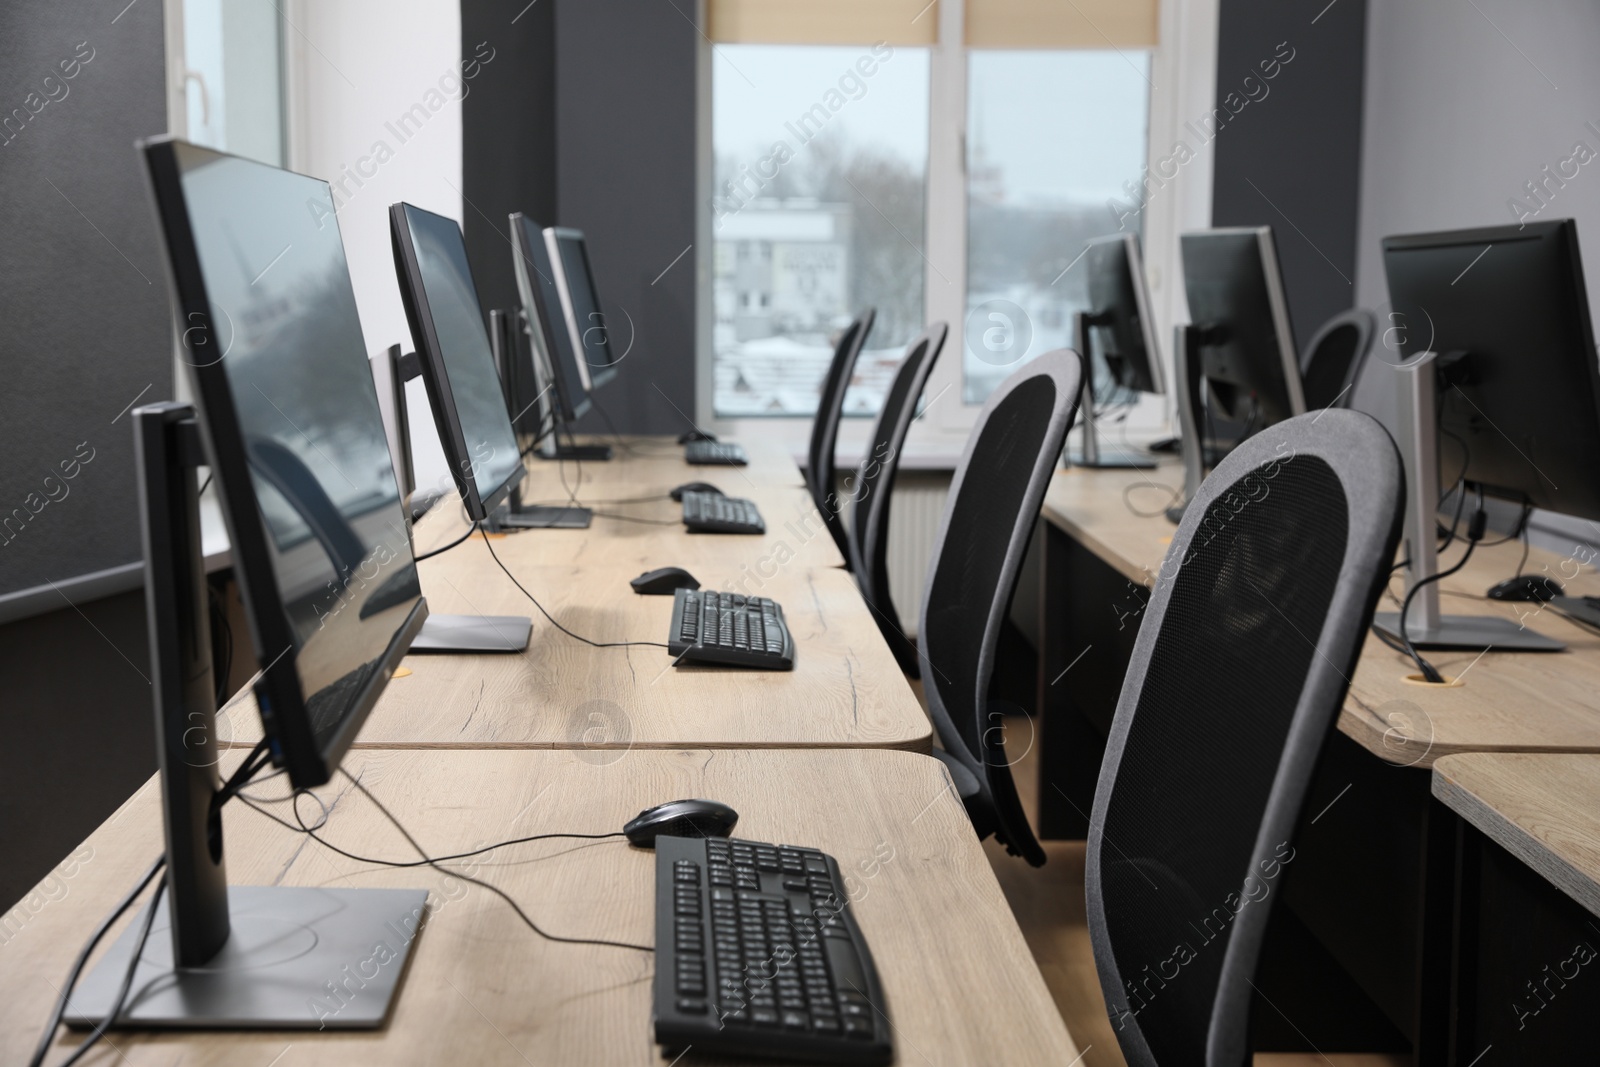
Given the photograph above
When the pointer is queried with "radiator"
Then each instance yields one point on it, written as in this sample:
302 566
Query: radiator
914 514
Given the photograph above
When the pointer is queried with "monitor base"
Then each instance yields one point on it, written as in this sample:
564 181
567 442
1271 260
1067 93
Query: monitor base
1174 513
298 958
1469 632
598 453
543 517
474 633
1116 461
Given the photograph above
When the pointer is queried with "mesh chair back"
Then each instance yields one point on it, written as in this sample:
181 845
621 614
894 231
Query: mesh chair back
874 484
988 521
820 472
1334 359
1239 670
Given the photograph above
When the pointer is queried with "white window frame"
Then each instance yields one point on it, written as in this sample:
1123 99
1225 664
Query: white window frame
1183 77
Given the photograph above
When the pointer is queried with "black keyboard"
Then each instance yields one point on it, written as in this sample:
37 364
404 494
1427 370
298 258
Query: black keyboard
730 629
714 454
758 954
715 513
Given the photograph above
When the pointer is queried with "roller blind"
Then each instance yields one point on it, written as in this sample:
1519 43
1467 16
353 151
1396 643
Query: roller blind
898 22
1061 23
989 23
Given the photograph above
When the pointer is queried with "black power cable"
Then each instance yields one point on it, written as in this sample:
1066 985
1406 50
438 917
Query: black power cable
551 618
435 861
1475 529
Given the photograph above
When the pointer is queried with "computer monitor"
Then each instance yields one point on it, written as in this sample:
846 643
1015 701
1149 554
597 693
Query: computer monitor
1121 328
290 427
1116 331
1235 365
1506 309
275 353
561 366
469 405
1242 333
580 305
1501 392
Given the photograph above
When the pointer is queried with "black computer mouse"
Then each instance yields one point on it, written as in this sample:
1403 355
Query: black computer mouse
1527 587
694 487
664 581
695 435
680 818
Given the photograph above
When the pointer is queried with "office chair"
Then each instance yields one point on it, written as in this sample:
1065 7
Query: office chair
820 472
988 522
874 485
1238 672
1334 358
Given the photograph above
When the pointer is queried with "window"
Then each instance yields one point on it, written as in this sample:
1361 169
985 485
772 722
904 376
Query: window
959 182
232 77
820 160
1039 181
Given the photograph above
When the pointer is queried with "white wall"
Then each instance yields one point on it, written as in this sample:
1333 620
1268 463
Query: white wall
1465 104
354 68
1458 118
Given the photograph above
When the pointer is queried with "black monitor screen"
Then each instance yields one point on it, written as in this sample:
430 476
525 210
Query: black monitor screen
1519 384
581 303
280 366
463 385
1120 328
1247 353
541 303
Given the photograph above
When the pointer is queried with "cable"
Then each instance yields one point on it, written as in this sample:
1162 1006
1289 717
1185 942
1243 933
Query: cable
635 518
62 998
551 618
434 861
1127 492
256 759
1474 535
429 555
127 981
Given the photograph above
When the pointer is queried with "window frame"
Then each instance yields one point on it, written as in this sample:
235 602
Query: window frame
1183 75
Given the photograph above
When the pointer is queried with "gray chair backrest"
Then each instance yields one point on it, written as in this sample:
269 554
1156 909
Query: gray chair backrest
988 522
1241 664
820 471
1334 358
869 493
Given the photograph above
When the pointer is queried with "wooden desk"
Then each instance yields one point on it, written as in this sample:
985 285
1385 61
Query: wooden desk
1528 897
481 988
1508 702
649 533
659 460
1375 875
845 690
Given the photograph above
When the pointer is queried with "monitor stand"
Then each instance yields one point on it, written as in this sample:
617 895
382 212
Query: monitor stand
552 449
251 957
516 515
1425 626
474 633
1089 454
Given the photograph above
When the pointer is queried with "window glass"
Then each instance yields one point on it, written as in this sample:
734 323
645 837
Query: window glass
233 81
1055 155
817 214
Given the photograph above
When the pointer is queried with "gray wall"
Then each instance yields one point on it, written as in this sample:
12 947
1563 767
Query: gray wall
625 164
84 301
591 124
86 329
1292 158
1464 107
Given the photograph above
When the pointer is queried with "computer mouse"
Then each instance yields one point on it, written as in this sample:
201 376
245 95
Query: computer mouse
664 581
1527 587
695 435
694 487
680 818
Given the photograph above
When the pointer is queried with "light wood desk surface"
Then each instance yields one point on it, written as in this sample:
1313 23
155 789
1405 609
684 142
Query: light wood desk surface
1543 808
960 984
648 533
845 689
1516 702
